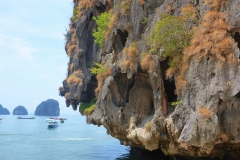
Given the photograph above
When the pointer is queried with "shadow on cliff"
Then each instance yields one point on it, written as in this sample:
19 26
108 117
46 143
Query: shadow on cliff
140 154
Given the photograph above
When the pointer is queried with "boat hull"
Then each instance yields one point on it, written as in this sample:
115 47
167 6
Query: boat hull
52 126
51 123
26 117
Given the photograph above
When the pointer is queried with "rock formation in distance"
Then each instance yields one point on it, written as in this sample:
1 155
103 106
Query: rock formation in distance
49 107
4 111
20 110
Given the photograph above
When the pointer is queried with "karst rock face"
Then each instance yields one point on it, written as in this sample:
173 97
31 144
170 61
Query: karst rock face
205 122
20 110
4 111
49 107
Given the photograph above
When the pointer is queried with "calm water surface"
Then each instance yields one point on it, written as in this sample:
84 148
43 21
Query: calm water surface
30 139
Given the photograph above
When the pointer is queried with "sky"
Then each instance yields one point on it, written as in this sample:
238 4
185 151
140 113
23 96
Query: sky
33 62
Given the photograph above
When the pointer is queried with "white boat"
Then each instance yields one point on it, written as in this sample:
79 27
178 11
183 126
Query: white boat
51 123
26 117
59 120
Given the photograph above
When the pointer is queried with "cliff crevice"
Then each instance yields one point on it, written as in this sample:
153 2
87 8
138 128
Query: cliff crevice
183 100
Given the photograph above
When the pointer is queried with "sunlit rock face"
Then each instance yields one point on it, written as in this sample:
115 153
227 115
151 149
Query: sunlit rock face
134 105
20 110
49 107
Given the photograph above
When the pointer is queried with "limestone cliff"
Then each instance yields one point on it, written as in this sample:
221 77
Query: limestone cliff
4 111
20 110
49 107
134 101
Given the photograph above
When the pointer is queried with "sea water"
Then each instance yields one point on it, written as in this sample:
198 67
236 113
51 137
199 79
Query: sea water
31 139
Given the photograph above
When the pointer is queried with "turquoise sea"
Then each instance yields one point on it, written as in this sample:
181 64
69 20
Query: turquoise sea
30 139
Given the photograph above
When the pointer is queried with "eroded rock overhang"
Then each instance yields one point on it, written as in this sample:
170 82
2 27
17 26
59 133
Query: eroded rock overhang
135 106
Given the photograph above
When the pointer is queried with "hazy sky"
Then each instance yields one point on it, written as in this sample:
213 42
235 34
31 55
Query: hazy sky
33 61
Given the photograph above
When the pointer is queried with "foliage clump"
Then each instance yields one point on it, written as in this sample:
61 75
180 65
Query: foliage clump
147 63
102 27
169 38
211 39
205 112
74 78
68 36
112 23
215 4
171 34
125 6
86 4
87 108
98 68
176 103
100 78
71 42
130 56
101 74
142 2
75 15
70 49
190 13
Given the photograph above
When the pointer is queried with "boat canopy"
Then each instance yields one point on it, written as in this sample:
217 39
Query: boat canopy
51 120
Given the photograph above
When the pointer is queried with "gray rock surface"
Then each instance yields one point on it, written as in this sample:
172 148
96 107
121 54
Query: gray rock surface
130 99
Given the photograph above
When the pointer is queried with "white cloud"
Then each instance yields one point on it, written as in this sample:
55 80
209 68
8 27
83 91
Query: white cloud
20 46
32 57
17 25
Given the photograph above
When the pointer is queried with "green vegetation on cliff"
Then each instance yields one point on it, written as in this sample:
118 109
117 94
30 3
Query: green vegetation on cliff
171 34
75 15
87 108
102 26
98 68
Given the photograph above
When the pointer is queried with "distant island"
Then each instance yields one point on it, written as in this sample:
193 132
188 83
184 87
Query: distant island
4 111
49 107
20 110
